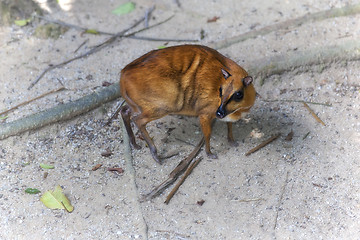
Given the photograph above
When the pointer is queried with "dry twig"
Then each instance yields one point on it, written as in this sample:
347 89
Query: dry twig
306 135
95 49
186 174
263 144
248 200
298 101
31 100
176 172
314 114
280 200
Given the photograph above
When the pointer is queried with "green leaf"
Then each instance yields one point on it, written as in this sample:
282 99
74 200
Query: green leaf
32 190
92 31
46 166
56 200
4 117
22 22
124 9
161 47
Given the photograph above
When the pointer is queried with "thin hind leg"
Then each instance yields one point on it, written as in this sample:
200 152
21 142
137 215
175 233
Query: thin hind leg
125 114
141 122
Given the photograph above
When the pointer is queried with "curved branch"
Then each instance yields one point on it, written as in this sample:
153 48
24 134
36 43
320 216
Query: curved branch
60 112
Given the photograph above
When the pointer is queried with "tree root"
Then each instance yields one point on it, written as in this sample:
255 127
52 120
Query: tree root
335 12
302 61
60 112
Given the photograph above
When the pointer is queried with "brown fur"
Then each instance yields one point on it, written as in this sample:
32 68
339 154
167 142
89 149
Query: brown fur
183 80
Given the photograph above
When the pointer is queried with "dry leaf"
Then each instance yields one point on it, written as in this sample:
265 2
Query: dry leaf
56 200
289 137
96 167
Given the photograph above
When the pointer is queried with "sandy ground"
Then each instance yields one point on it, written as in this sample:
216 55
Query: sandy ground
306 188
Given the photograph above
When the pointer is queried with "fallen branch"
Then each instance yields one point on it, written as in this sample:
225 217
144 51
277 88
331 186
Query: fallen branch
263 144
189 169
181 167
312 17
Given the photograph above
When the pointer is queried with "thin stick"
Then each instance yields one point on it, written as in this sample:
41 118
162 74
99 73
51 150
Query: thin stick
314 114
248 200
115 114
31 100
183 141
280 200
146 19
263 144
77 49
182 180
306 135
162 39
69 25
298 101
175 173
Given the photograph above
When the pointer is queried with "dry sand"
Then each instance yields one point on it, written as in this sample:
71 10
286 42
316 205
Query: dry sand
299 189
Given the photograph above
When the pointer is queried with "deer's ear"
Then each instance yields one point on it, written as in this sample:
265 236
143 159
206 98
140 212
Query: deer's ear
247 81
225 73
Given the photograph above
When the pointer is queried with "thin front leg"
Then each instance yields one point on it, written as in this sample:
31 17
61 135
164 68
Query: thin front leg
231 140
205 123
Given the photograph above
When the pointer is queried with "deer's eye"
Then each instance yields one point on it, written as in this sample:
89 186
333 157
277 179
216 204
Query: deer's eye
238 96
